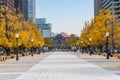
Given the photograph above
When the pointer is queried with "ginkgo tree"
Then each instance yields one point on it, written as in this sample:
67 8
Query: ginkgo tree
97 28
12 23
48 42
71 40
35 35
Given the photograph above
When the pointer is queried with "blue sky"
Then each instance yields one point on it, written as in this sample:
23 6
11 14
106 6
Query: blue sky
65 15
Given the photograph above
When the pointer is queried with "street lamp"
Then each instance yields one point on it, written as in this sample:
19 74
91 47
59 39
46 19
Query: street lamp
48 48
77 44
17 36
31 47
82 47
82 42
39 47
107 35
90 39
74 47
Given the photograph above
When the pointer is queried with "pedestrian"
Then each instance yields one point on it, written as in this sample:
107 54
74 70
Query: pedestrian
82 51
78 53
109 52
91 51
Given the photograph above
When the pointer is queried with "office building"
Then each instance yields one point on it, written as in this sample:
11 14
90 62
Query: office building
97 6
113 5
53 34
44 28
22 6
41 21
32 10
8 3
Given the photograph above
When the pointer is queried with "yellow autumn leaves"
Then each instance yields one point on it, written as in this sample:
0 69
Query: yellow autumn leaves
48 42
12 23
71 40
97 28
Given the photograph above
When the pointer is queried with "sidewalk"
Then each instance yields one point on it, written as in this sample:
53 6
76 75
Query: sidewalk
11 69
112 64
65 66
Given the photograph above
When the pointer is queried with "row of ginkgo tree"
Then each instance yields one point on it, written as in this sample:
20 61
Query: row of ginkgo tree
12 24
94 32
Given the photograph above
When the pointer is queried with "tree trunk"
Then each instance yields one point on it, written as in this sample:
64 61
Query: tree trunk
6 49
101 47
8 52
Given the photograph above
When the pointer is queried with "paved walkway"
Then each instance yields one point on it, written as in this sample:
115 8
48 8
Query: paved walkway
65 66
11 69
111 65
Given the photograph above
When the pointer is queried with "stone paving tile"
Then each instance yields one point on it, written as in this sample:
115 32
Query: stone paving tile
70 68
11 69
112 65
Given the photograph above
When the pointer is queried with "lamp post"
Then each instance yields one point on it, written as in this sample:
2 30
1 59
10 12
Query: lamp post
74 47
48 48
107 35
77 44
90 39
39 47
17 36
82 47
31 47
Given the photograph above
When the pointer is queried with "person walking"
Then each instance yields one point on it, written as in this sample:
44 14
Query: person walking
78 53
91 51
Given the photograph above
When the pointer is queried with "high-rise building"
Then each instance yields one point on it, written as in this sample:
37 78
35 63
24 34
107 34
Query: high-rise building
41 21
8 3
32 9
22 5
16 3
97 6
113 5
44 28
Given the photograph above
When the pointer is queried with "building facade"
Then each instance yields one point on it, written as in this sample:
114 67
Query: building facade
27 7
32 10
44 28
41 21
22 6
60 41
97 6
113 5
8 3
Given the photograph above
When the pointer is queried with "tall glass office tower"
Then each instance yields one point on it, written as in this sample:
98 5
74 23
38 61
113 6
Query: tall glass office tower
32 9
23 6
97 6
